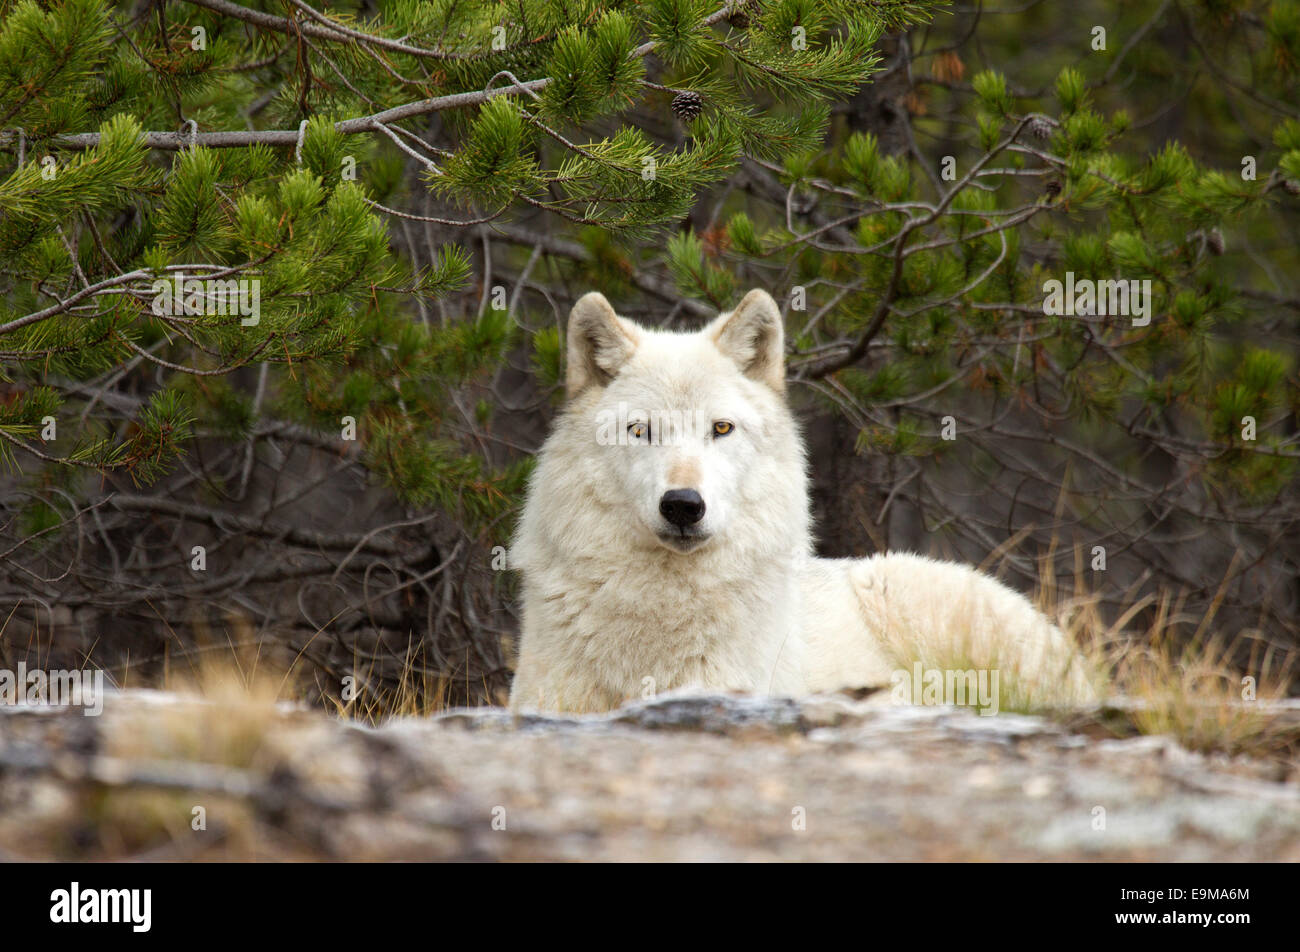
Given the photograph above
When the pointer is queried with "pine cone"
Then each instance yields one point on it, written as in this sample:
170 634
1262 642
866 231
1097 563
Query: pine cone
688 106
739 19
1215 240
1292 186
1040 128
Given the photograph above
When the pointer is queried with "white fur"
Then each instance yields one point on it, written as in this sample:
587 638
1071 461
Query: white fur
614 608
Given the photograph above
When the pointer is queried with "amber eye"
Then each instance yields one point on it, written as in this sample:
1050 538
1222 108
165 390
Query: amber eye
638 431
722 428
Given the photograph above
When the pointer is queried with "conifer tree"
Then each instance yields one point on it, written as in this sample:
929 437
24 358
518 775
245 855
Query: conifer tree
205 210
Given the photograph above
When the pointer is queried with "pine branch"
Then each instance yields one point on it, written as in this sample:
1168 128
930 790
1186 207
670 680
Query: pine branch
320 27
856 352
174 141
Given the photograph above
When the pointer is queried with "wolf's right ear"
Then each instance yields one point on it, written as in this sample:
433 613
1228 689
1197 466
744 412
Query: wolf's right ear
600 342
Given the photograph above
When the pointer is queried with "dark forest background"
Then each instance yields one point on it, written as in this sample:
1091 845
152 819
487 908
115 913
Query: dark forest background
423 190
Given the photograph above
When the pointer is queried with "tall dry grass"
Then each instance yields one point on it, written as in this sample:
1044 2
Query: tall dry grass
1171 671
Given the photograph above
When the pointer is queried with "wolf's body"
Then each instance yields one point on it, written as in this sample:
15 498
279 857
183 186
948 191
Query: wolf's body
666 541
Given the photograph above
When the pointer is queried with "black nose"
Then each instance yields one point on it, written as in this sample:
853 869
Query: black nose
682 507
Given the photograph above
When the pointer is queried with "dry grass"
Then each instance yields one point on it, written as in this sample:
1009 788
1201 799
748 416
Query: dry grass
222 715
1175 673
419 692
230 671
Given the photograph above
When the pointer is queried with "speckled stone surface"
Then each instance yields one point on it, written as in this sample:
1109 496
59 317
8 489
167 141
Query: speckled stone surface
678 778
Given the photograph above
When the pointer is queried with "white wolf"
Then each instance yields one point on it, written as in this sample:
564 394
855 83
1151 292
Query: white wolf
666 542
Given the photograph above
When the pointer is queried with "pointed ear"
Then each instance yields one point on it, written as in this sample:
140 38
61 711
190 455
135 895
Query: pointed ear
599 343
754 337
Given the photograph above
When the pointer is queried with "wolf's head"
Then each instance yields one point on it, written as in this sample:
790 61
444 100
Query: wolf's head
691 440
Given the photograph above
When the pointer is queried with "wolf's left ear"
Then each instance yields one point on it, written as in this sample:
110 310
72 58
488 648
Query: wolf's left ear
753 336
